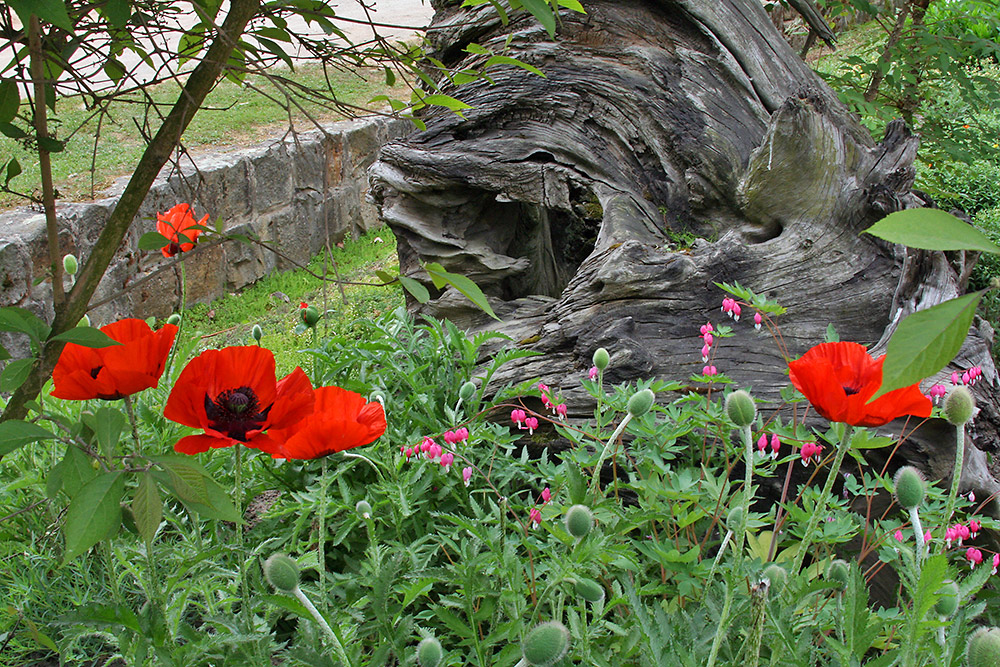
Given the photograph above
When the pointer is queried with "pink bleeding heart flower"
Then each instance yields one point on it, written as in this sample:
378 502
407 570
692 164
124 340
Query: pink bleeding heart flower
467 475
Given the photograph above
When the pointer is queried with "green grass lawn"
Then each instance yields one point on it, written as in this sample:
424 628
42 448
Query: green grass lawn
100 150
229 320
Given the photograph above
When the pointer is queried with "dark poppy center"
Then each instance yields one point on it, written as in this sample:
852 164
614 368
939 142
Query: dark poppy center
850 391
173 248
95 371
236 412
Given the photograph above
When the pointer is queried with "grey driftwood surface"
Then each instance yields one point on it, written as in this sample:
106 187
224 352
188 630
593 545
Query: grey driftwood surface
561 196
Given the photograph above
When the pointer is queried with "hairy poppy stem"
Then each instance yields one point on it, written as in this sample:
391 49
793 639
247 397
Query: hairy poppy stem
949 508
321 538
748 496
800 554
595 484
238 493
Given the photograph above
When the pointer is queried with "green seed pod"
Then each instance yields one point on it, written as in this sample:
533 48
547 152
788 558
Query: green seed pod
741 408
735 519
947 603
282 572
467 391
601 358
257 333
910 487
959 406
984 648
546 644
364 509
589 590
579 521
70 265
310 316
777 575
174 319
838 572
641 402
429 652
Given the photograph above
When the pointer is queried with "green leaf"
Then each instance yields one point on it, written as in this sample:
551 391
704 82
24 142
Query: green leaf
15 434
153 241
87 337
50 11
94 513
117 12
10 100
831 334
15 373
51 144
446 101
186 478
13 171
12 131
114 69
77 469
418 291
19 320
103 616
109 424
4 354
926 341
542 11
289 604
573 5
147 507
931 229
440 277
507 60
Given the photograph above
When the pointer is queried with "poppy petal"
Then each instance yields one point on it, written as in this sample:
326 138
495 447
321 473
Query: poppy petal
196 444
294 400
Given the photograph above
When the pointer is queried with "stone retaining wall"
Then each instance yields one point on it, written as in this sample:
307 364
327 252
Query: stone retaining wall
292 193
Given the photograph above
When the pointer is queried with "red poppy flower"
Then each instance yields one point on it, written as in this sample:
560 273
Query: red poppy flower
117 371
840 378
178 221
232 394
341 420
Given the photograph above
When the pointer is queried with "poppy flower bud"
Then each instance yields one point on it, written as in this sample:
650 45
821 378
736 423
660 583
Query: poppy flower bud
174 319
910 487
776 575
429 652
589 590
70 265
364 509
837 572
947 603
546 644
735 519
282 572
310 316
467 390
579 521
959 406
257 333
641 402
741 408
601 358
984 648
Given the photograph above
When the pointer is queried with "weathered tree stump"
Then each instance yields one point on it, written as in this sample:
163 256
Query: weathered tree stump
564 197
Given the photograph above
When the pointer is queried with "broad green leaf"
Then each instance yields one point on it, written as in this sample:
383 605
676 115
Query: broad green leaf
573 5
76 470
153 241
114 69
117 12
440 277
10 100
147 507
289 603
51 144
507 60
15 373
542 11
108 426
418 291
186 479
103 616
4 354
12 131
20 320
15 434
926 341
831 334
87 337
931 229
446 101
384 276
13 170
94 513
50 11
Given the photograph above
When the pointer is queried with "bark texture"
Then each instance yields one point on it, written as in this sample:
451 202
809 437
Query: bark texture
568 199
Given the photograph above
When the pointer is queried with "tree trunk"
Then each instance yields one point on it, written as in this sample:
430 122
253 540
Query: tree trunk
564 197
